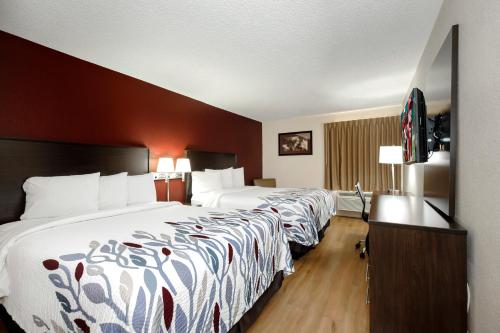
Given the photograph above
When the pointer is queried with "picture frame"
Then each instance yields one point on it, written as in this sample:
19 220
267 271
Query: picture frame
295 143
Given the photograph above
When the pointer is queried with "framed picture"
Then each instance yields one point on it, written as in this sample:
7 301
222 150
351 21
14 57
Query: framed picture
295 143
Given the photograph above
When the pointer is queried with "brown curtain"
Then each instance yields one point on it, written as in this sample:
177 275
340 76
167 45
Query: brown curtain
351 153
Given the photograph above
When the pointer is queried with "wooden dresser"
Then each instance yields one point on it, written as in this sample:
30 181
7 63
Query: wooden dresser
417 268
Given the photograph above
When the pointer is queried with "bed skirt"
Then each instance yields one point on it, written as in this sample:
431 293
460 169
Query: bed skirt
251 315
9 324
298 250
240 327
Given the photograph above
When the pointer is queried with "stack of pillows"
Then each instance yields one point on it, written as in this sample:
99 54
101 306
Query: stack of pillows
213 180
51 197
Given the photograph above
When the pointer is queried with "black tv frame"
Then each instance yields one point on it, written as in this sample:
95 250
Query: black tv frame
450 215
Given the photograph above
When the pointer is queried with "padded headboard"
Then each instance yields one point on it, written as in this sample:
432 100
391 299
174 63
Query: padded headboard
201 160
21 159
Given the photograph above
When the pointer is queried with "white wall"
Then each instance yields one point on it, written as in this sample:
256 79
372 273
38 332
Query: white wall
307 170
478 157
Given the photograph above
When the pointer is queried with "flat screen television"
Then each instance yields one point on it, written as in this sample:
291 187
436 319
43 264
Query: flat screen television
414 128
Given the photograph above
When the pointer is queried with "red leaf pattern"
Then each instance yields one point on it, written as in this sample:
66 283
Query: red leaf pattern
82 325
166 251
256 249
230 252
168 307
200 236
216 318
51 264
138 246
79 271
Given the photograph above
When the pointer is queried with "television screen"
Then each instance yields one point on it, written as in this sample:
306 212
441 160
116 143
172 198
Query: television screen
413 126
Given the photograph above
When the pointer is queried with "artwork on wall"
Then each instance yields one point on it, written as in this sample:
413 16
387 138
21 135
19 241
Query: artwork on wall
295 143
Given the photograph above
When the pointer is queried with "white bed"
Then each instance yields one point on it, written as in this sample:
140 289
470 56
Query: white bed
305 212
146 268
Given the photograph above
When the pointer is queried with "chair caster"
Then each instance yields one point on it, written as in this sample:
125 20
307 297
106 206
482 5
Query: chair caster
362 255
358 245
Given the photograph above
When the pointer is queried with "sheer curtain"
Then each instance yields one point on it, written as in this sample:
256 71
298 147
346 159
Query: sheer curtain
351 153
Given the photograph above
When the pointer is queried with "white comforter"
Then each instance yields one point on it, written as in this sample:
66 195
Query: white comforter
153 268
304 211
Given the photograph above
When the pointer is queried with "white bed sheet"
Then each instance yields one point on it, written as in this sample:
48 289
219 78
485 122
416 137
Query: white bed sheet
152 267
304 211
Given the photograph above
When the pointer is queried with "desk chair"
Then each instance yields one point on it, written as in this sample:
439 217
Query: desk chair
365 249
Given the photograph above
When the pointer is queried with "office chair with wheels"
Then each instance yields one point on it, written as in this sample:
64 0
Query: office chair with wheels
364 215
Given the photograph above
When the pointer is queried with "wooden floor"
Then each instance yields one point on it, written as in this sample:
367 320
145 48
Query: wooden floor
327 291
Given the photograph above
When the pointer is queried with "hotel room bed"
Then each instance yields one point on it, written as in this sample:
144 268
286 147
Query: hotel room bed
305 213
150 268
141 268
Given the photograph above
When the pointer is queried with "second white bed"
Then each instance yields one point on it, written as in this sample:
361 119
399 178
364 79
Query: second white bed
304 212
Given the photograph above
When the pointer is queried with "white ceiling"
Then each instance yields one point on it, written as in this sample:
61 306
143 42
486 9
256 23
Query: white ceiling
262 59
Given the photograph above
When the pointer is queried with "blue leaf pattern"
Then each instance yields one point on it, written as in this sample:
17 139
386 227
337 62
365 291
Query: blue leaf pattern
138 260
112 328
304 212
66 320
94 293
150 281
183 272
180 320
73 257
139 312
168 277
64 302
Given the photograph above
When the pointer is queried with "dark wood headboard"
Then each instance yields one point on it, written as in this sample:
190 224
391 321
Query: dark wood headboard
201 160
21 159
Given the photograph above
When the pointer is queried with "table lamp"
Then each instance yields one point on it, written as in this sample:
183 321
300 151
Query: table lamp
391 155
166 166
183 165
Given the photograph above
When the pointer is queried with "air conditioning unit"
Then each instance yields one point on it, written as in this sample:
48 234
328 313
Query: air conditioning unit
350 205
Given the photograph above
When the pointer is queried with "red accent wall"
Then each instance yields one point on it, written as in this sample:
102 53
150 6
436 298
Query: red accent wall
46 94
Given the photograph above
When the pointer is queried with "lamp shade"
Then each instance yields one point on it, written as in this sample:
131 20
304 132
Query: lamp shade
165 164
390 155
183 165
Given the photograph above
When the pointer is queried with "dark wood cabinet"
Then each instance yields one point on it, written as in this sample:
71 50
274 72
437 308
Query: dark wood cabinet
417 268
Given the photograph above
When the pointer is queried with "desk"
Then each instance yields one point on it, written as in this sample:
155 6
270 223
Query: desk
417 268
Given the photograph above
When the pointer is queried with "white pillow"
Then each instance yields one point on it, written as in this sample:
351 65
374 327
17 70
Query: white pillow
61 196
239 177
226 176
205 181
113 191
141 189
